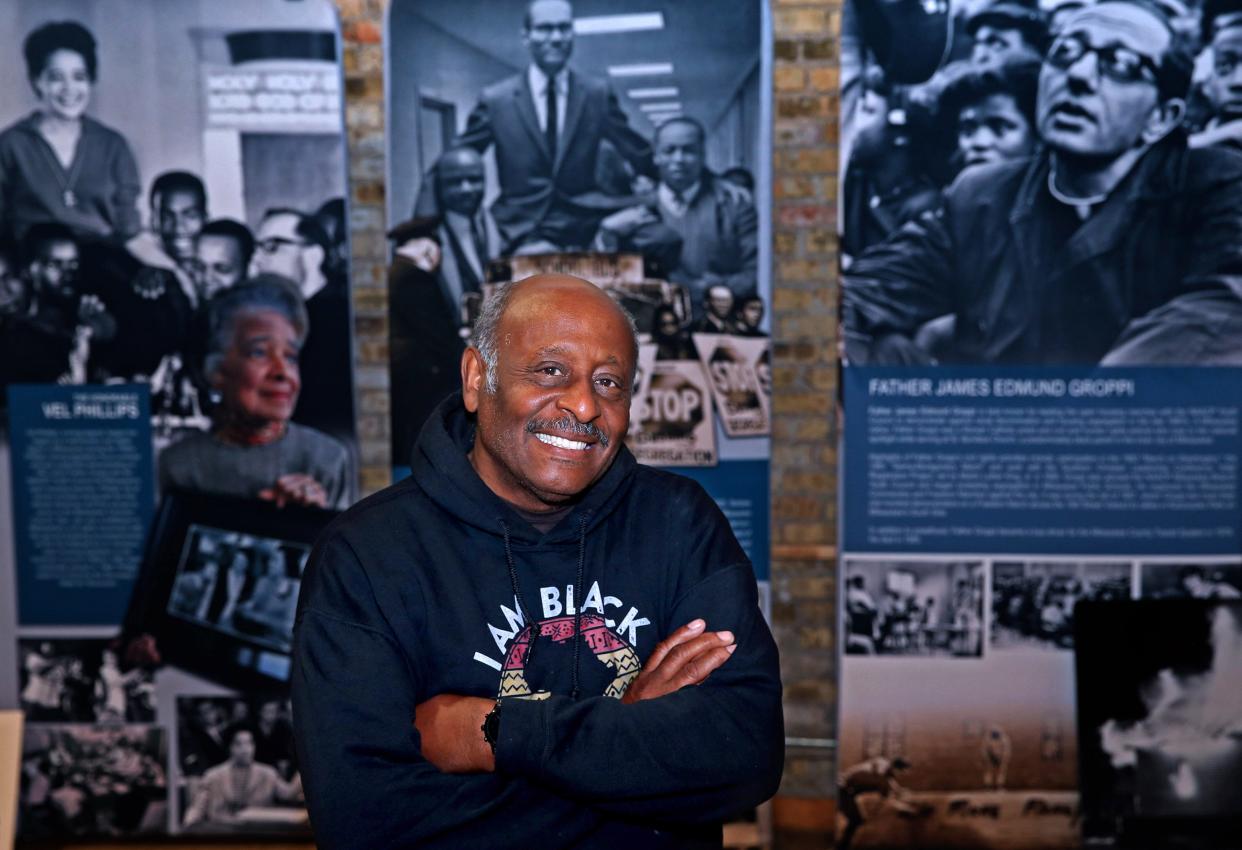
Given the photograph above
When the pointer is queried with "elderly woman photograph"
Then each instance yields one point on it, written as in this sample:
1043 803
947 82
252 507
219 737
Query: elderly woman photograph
254 333
58 163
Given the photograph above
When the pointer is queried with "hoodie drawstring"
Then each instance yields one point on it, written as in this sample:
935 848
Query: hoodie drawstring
579 578
517 595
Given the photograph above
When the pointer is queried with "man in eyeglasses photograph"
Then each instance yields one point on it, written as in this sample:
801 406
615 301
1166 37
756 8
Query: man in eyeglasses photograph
293 245
1115 243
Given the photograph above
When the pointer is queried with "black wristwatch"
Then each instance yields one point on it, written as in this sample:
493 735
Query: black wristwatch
491 727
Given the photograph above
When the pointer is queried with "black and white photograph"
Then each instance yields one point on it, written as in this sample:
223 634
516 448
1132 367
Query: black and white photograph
1191 580
239 584
82 680
82 781
1160 722
556 128
220 739
156 158
1035 183
1033 602
914 608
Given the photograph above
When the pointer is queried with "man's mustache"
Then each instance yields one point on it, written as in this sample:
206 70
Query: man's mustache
568 425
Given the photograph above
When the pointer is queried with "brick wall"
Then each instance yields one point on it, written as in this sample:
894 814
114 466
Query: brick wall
804 459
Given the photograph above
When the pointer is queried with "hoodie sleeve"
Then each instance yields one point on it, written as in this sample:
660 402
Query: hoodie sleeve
366 784
698 755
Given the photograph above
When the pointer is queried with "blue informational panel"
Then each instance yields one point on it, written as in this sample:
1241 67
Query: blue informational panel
82 500
1041 329
740 489
1052 460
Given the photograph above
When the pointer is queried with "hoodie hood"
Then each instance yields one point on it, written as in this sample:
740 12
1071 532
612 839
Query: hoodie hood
444 473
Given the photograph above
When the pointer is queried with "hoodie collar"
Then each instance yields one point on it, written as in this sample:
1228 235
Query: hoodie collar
443 471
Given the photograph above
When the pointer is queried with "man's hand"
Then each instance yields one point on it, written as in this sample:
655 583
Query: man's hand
1229 133
686 657
626 221
451 728
296 488
422 252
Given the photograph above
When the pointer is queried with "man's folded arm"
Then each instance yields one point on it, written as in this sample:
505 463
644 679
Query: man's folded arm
365 781
700 754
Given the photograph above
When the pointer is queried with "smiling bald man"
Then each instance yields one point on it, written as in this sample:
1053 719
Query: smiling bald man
534 640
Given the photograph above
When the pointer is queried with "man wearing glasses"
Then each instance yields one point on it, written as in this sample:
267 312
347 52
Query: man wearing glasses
1114 243
293 245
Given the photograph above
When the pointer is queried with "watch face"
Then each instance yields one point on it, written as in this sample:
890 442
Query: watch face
491 725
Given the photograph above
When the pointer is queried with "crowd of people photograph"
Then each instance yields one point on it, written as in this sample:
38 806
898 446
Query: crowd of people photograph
1033 603
1065 189
93 781
914 609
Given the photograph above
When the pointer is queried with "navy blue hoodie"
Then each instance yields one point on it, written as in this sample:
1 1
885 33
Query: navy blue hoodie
430 587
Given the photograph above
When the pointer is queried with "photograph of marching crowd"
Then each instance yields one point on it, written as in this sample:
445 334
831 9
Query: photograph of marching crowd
166 209
1053 182
555 128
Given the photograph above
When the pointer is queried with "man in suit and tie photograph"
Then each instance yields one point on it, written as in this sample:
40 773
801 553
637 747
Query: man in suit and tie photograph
545 126
467 235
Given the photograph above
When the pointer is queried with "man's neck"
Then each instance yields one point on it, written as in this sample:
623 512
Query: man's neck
542 76
1085 178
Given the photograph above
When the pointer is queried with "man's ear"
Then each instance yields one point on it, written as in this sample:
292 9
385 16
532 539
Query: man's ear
1162 119
473 377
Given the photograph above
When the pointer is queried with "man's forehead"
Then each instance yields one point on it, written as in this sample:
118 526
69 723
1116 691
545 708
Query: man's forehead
550 12
178 199
1229 37
216 244
547 311
280 224
1128 24
460 166
678 133
58 249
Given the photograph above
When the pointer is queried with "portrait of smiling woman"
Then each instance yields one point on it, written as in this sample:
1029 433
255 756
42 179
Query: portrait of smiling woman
58 163
254 335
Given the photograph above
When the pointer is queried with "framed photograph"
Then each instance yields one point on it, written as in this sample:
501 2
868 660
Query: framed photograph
219 585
